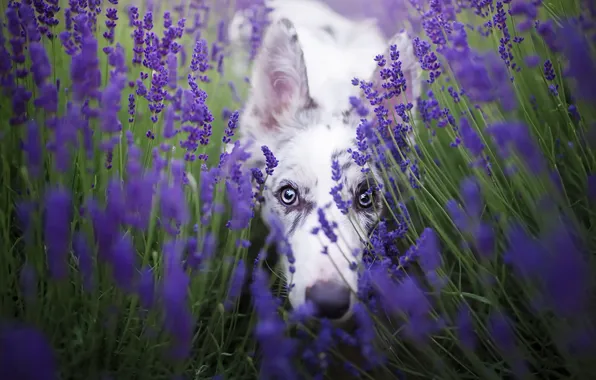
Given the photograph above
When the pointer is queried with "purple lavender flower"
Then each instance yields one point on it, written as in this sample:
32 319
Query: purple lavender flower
465 327
232 125
517 135
277 349
28 280
33 149
84 257
122 258
582 66
146 288
174 211
270 160
18 344
471 140
58 216
84 69
483 77
343 206
429 254
325 226
40 64
178 317
503 335
549 72
237 281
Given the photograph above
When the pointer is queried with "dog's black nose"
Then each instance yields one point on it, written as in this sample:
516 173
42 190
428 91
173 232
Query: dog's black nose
331 299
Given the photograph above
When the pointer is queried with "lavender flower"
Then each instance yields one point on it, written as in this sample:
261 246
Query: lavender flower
270 160
18 344
58 216
277 349
518 136
178 318
236 283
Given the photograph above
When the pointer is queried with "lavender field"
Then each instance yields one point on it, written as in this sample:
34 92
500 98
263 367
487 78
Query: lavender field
131 247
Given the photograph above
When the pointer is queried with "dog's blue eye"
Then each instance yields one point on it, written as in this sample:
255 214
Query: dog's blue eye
288 195
365 199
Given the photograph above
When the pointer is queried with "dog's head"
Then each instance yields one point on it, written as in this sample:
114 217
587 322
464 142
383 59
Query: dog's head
306 139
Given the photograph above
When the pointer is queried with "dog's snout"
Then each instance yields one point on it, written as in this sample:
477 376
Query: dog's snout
330 299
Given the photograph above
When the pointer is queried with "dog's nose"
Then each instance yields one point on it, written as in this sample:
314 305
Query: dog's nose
331 299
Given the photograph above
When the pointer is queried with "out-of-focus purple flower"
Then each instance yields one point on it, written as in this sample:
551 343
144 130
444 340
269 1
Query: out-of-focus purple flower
84 69
83 253
471 140
110 101
517 135
591 187
582 65
407 299
40 64
169 129
29 22
568 282
146 288
472 197
483 77
174 211
178 320
122 258
429 254
33 149
278 350
236 283
525 254
503 335
19 344
28 282
465 327
58 216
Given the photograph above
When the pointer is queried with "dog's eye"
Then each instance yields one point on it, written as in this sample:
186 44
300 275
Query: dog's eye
288 195
365 197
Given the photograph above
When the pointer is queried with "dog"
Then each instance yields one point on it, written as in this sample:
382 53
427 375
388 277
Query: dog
299 107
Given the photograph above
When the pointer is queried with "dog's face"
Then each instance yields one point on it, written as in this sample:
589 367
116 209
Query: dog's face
306 139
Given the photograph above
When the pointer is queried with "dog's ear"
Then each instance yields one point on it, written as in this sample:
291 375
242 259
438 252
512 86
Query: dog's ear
279 80
410 67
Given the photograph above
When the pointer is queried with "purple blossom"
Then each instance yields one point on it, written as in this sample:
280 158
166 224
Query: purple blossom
40 64
343 206
122 258
270 160
33 149
58 216
238 279
18 344
83 253
146 288
232 125
582 66
28 280
483 77
178 320
277 349
516 135
84 69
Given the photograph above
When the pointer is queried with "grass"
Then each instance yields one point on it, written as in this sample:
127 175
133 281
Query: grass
106 329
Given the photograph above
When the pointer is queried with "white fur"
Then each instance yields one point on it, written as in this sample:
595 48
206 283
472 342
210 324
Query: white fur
298 106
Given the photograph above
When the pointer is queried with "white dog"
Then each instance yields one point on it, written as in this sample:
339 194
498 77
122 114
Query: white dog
299 107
